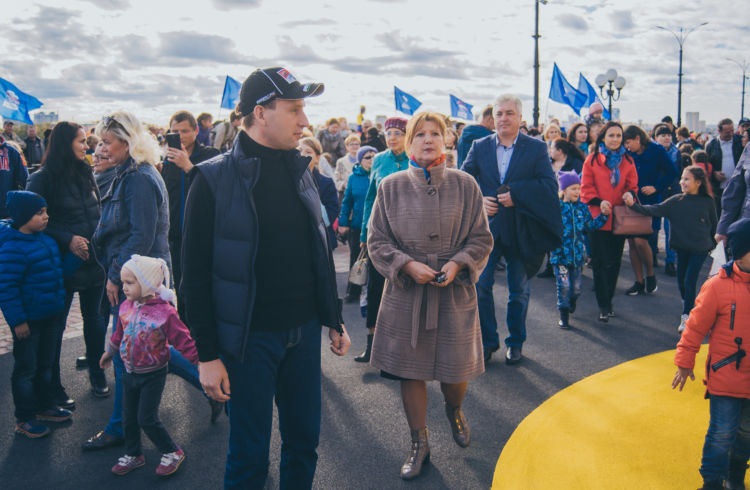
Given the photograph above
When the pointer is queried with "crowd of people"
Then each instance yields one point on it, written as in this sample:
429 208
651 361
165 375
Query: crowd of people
209 246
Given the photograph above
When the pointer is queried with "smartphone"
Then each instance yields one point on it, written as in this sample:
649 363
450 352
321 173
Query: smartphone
440 277
503 189
173 141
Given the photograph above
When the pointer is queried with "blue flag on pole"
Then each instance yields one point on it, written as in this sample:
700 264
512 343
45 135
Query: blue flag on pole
588 90
15 104
231 93
405 102
562 91
461 109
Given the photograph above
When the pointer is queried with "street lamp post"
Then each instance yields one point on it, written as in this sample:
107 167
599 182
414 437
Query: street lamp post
610 78
536 37
681 37
743 65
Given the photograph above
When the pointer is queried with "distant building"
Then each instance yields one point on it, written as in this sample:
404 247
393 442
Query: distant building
692 120
45 117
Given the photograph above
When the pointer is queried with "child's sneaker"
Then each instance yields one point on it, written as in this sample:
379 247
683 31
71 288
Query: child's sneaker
54 415
170 462
126 464
635 289
683 320
32 429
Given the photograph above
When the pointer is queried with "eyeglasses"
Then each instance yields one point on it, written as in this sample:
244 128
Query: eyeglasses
394 133
111 121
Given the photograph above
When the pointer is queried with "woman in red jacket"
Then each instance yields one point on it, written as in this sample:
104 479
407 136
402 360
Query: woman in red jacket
608 173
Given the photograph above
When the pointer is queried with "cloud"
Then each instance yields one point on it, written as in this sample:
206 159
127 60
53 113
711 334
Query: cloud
111 4
56 32
308 22
622 20
572 21
195 46
236 4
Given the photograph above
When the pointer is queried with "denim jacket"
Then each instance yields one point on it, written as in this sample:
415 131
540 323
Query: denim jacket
135 218
577 220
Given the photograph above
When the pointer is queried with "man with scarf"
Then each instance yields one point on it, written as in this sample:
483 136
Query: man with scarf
519 188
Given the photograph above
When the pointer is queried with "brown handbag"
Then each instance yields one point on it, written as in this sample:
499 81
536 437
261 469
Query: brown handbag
627 221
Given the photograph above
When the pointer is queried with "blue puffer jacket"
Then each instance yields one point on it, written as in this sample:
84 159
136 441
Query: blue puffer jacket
31 281
353 203
577 220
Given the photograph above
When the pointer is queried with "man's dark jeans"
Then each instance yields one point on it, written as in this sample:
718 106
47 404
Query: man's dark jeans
728 433
32 370
284 365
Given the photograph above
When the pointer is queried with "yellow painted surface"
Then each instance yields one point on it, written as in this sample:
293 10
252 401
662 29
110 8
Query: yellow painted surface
620 428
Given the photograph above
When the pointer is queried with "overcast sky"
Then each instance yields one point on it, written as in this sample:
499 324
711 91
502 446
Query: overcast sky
85 58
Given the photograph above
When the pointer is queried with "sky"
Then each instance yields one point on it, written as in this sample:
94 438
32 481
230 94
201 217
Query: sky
85 58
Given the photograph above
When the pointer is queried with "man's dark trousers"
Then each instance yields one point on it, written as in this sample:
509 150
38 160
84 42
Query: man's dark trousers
284 365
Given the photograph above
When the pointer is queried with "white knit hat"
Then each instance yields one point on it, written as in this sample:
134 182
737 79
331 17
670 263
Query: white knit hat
152 274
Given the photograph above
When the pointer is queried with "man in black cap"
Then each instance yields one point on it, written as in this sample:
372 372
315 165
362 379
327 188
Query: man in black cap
254 236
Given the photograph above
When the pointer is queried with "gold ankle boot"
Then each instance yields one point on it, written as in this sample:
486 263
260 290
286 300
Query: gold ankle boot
459 425
419 455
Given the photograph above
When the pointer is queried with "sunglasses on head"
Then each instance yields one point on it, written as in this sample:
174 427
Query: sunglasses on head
110 121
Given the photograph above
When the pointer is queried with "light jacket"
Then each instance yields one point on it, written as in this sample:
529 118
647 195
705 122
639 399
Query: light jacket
596 185
576 220
144 333
735 202
722 310
353 204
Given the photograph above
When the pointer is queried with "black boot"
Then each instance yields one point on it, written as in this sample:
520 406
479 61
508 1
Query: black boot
564 316
736 477
365 356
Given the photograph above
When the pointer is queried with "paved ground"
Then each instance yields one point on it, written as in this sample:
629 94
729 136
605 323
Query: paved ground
364 436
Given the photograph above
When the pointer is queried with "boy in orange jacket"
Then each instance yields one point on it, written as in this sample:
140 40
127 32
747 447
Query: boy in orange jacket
722 310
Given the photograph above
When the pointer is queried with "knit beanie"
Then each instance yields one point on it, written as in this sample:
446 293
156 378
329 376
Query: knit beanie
23 205
566 179
738 236
152 274
363 150
395 122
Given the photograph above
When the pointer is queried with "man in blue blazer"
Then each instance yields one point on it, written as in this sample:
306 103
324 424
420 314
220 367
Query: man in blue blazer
520 197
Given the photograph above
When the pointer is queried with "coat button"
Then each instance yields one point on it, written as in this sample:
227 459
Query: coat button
431 191
433 236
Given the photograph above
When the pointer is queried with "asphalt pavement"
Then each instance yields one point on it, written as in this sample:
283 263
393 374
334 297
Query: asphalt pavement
364 437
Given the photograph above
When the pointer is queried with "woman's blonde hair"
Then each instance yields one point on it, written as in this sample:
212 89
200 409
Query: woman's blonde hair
142 145
416 123
549 128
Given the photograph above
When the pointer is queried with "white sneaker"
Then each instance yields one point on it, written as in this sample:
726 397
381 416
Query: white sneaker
683 319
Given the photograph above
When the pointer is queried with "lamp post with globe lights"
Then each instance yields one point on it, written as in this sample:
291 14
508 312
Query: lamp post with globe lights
610 79
536 37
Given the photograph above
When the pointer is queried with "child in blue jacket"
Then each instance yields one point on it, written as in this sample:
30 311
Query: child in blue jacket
32 295
569 258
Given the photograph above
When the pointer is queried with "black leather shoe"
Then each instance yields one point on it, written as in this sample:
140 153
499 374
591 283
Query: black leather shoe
102 440
82 362
100 391
513 355
488 354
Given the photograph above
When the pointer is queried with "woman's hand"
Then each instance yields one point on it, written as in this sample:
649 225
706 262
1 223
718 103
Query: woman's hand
647 190
627 198
80 247
343 230
451 269
113 293
421 273
681 376
106 360
606 207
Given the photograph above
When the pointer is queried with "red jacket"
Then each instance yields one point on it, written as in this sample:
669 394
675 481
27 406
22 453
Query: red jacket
596 185
722 297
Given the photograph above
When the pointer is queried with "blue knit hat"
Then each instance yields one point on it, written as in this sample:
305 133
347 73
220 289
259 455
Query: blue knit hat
363 150
23 205
566 179
738 236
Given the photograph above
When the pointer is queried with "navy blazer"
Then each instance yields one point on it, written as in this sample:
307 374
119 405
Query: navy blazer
533 189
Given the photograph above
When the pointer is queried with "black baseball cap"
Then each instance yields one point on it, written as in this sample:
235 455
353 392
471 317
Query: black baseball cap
273 83
744 120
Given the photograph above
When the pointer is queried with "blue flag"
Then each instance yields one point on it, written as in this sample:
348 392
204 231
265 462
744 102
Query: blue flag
231 93
15 104
405 102
562 91
588 90
461 109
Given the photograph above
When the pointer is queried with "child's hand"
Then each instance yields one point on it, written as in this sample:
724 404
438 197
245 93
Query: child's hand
627 198
22 330
681 377
106 360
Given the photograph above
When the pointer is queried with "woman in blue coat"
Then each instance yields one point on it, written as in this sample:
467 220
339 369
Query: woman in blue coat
352 210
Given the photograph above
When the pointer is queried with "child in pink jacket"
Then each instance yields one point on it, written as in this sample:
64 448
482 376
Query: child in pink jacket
146 326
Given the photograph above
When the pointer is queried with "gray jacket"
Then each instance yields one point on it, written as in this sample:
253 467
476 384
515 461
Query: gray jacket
735 203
